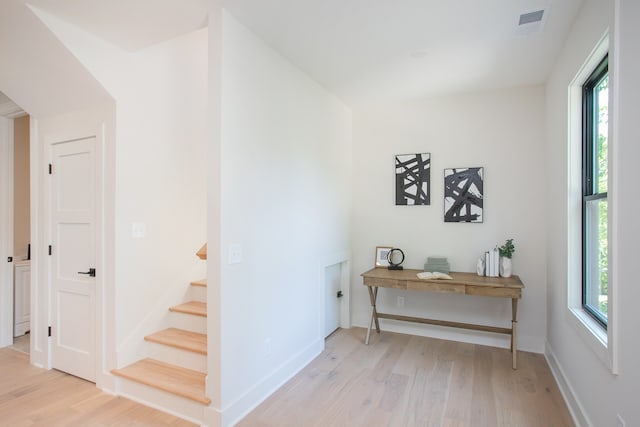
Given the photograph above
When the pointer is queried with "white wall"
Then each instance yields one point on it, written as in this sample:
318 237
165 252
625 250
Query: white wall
285 199
502 131
597 396
37 72
160 160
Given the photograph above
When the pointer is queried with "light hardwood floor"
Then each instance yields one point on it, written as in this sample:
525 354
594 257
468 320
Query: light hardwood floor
398 380
21 344
401 380
31 396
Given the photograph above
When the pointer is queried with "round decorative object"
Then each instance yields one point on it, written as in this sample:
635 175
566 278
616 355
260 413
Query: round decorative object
395 257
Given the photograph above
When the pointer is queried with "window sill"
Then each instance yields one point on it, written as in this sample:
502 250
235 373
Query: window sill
591 333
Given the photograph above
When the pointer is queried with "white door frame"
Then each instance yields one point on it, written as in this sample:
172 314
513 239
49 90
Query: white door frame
77 132
6 231
44 133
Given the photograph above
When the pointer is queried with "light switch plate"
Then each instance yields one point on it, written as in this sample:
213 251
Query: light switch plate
138 230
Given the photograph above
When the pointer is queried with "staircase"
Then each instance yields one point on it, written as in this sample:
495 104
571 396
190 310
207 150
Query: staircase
173 377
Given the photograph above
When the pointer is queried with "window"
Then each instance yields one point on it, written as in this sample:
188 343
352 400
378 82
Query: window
595 121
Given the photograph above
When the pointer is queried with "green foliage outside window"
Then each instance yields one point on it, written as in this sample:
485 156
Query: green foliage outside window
602 91
595 256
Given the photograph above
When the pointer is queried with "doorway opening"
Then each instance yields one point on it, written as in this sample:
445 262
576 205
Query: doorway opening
16 208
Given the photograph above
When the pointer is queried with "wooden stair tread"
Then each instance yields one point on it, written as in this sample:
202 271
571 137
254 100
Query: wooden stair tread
180 338
202 253
201 282
196 308
170 378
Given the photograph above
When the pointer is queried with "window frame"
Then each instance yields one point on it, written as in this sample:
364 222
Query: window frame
589 192
601 342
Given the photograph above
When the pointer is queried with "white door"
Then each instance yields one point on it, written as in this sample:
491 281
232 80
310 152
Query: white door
333 294
73 255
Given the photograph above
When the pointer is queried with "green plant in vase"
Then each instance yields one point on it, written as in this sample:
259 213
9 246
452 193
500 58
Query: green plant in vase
507 249
506 253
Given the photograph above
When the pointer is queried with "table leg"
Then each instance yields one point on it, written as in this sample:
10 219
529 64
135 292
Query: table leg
514 322
373 296
375 309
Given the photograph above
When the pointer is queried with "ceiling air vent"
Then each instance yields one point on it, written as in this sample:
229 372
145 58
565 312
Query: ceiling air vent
531 17
531 22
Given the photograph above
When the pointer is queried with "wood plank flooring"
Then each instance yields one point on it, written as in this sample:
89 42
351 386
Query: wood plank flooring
31 396
402 380
398 380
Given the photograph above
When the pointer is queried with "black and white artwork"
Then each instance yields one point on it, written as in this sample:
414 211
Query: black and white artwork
463 194
413 176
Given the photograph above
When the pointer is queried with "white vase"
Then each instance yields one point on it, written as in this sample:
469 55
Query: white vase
505 266
480 267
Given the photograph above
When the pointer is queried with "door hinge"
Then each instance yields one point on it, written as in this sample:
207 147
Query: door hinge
50 168
50 250
49 330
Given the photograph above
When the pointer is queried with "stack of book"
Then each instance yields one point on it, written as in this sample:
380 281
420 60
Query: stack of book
492 263
439 264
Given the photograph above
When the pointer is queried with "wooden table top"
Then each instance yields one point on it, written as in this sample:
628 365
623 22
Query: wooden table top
461 283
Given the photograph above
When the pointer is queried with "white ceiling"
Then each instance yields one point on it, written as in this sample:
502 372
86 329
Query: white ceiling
361 50
130 24
396 50
37 72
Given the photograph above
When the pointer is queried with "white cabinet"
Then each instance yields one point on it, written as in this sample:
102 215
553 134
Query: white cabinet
21 297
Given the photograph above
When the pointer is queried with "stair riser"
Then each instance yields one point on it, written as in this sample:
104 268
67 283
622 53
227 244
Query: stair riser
176 356
162 400
188 322
197 293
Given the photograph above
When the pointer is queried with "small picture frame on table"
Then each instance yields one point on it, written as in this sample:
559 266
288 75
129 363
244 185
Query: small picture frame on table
381 256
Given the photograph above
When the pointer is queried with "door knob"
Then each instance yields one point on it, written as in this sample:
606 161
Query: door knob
91 272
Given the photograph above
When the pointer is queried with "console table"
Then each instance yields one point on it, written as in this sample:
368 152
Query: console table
461 284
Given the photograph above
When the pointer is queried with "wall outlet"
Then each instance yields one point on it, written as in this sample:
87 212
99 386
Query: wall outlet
400 301
235 253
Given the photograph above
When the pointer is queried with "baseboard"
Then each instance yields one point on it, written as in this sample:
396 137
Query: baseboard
237 410
106 382
576 410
